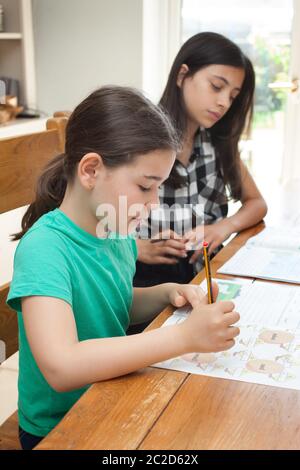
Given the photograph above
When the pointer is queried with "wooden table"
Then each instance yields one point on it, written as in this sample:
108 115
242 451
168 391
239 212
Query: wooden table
163 409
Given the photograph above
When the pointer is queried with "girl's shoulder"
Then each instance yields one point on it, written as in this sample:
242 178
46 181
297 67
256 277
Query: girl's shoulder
46 224
42 265
42 237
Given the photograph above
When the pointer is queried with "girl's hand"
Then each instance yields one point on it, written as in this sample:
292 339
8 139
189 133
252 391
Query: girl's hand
214 235
209 328
168 250
182 294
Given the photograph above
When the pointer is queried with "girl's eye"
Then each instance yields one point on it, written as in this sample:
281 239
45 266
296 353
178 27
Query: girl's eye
215 87
142 188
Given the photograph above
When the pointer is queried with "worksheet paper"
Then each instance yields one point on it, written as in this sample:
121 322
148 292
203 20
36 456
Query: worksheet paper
267 351
272 254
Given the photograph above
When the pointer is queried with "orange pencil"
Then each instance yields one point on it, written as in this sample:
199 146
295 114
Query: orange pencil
207 273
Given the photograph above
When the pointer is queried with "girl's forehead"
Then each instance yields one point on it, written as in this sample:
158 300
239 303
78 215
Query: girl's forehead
224 69
155 163
233 76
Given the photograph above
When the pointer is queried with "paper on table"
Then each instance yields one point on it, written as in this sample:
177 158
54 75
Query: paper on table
264 263
278 238
269 255
267 350
258 302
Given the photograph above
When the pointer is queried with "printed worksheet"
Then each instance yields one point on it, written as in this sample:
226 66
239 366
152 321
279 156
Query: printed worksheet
267 351
272 254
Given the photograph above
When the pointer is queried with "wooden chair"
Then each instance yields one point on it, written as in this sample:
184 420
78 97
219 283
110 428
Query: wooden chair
59 114
21 161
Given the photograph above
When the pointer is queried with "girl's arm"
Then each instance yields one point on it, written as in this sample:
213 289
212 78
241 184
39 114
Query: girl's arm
149 301
254 207
252 211
69 364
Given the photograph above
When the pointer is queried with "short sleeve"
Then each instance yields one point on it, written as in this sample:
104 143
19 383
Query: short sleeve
41 268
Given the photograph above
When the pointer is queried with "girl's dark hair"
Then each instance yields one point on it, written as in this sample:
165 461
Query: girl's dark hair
119 124
200 51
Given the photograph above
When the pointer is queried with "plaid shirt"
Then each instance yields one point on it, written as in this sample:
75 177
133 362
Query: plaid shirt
204 189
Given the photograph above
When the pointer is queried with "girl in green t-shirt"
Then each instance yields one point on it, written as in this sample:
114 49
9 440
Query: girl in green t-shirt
73 271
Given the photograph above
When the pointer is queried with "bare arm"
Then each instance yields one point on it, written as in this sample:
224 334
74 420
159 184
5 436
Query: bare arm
68 364
252 211
149 301
254 207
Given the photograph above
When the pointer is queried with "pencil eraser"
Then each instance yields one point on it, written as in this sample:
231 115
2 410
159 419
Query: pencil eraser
205 244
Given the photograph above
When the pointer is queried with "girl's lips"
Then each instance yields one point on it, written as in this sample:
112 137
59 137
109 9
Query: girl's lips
215 116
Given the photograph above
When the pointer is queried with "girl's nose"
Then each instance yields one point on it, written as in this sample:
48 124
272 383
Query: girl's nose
153 198
224 100
152 204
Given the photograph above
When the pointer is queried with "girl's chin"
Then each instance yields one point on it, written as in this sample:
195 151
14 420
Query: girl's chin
208 124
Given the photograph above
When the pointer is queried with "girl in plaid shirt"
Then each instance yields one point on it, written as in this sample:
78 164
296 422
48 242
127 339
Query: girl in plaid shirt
209 95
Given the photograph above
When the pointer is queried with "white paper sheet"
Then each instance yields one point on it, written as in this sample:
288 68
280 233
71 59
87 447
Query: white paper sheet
267 350
273 254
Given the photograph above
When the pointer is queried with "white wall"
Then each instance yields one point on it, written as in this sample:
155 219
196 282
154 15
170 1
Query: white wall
80 45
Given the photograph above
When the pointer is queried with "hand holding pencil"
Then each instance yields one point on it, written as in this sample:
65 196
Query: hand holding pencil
211 328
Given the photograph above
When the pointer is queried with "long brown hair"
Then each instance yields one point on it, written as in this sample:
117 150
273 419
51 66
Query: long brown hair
200 51
119 124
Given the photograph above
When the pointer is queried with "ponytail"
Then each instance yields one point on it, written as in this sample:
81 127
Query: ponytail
50 191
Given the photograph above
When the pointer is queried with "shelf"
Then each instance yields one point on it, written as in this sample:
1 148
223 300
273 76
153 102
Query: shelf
17 48
10 36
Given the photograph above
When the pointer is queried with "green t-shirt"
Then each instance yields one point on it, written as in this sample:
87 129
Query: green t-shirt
56 258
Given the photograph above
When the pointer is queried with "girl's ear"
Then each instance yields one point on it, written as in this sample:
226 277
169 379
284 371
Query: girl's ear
181 74
89 168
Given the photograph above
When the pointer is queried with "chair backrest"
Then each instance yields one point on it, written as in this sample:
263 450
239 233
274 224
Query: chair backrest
21 160
58 114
